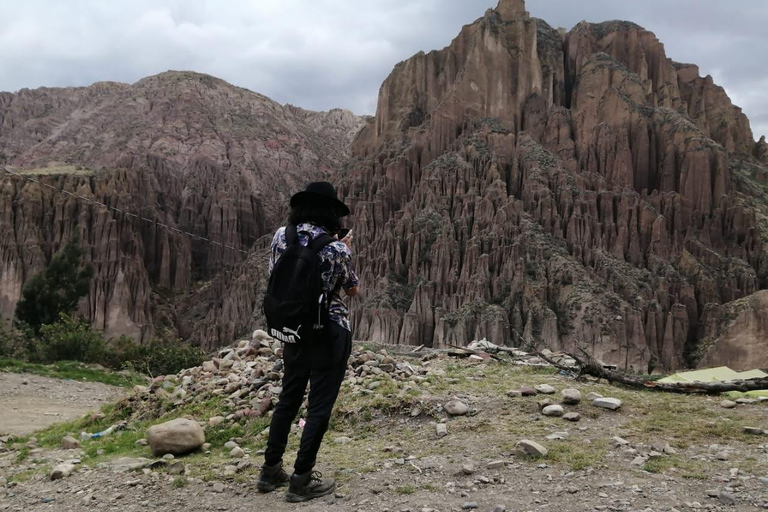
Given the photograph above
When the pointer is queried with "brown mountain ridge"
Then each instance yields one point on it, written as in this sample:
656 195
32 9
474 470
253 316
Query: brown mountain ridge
574 188
524 184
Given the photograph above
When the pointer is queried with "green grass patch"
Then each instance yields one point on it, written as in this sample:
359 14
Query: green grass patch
405 490
688 469
579 456
69 370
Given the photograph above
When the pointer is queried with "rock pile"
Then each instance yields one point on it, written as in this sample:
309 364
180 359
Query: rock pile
249 376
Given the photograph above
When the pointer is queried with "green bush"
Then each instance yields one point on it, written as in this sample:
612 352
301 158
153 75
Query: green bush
13 343
76 340
56 290
159 357
72 340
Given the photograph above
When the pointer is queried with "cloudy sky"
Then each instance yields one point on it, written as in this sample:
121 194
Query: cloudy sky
321 54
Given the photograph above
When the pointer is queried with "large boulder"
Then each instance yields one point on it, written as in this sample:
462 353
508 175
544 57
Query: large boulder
177 437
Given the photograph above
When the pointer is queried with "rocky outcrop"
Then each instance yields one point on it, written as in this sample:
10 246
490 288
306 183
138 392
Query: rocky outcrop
736 334
180 149
527 185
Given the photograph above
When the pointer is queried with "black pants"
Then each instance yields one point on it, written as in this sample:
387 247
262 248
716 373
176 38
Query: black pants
322 365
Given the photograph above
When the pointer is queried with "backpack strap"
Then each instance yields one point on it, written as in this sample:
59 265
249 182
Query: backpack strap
321 242
291 235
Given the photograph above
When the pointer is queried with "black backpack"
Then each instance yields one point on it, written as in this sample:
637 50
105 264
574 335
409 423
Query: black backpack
295 304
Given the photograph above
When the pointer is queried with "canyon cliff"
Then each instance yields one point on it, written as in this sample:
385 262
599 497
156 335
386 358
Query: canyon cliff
571 189
530 185
182 149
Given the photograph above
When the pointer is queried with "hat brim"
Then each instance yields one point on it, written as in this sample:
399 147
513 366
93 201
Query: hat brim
313 198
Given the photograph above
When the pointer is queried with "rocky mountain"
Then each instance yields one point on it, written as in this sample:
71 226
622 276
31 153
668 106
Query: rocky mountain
574 189
182 149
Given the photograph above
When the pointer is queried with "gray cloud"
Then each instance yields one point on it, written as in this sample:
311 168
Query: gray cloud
321 54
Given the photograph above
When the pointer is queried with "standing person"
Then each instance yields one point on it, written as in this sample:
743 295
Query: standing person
316 356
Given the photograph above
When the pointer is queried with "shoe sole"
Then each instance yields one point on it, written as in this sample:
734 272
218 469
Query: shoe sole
265 488
295 498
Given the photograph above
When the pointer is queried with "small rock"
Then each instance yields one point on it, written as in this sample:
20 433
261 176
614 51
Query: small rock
237 453
177 468
469 505
456 408
206 446
216 421
754 431
727 499
728 404
528 448
141 442
553 411
545 389
527 391
468 469
442 430
514 393
342 440
496 464
218 487
499 508
620 442
69 443
593 396
25 382
168 456
607 403
230 445
62 471
572 416
571 396
209 366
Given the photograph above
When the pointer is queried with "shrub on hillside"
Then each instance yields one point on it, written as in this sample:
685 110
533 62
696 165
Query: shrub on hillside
76 340
13 343
72 340
56 290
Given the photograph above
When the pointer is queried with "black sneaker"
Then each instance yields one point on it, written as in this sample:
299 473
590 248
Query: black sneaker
308 487
272 477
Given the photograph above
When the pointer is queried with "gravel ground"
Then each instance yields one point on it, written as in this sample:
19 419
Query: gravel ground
30 402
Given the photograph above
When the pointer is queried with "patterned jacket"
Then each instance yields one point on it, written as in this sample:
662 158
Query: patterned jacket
336 268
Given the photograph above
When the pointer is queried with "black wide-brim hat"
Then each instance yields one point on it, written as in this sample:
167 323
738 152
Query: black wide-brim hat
320 193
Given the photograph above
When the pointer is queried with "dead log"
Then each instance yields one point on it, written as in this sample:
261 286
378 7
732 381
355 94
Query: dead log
594 369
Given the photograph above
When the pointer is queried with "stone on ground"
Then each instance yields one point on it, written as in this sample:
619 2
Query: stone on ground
593 396
571 396
441 430
528 448
62 471
69 443
545 389
572 416
728 404
553 411
527 391
456 408
607 403
177 437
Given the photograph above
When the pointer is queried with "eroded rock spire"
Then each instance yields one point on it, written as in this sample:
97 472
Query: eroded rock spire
511 9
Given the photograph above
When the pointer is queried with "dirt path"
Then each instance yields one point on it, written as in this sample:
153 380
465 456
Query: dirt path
31 402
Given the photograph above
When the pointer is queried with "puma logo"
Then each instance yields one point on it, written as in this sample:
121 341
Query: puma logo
291 331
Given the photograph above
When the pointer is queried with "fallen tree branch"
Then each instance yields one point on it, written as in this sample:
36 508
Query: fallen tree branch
592 368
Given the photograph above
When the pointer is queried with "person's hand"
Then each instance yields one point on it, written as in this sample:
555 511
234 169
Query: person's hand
347 240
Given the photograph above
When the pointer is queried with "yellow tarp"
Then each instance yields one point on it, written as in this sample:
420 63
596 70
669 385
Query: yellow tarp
720 374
